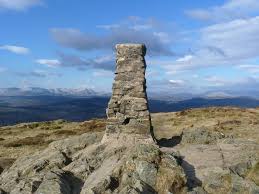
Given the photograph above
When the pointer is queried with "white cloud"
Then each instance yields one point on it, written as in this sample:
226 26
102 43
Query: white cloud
163 36
49 62
102 62
202 58
72 38
15 49
254 69
225 44
38 73
199 14
139 27
104 59
185 58
2 69
177 83
135 31
239 86
103 73
18 5
150 73
108 27
231 9
236 39
216 81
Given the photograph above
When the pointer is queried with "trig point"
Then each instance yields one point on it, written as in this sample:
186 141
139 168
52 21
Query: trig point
128 110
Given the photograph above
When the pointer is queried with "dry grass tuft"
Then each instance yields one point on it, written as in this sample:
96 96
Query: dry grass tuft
96 125
29 141
65 132
26 138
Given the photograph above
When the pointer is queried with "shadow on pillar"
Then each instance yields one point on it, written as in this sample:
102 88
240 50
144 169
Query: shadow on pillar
153 134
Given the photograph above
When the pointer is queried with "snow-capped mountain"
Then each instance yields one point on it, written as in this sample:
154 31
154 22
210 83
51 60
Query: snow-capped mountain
34 91
218 95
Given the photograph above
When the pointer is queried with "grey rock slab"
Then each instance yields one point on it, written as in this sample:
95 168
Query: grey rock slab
54 182
26 172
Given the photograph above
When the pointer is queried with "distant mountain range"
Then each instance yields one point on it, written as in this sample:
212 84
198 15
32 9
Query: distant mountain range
40 104
86 92
34 91
32 108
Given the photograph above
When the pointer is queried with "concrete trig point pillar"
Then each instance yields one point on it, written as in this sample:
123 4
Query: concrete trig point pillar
128 110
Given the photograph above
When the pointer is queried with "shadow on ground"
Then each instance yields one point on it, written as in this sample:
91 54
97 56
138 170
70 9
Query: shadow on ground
169 142
189 169
192 180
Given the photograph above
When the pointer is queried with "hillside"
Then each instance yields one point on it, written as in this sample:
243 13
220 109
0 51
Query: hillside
209 141
19 109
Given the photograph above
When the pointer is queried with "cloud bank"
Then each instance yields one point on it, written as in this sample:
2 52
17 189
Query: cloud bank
73 61
18 5
38 74
15 49
230 10
148 32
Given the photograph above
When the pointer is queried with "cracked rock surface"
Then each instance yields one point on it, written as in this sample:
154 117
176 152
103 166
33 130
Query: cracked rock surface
132 163
217 164
84 165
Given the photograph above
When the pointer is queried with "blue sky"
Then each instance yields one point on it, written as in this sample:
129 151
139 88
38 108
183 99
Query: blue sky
193 47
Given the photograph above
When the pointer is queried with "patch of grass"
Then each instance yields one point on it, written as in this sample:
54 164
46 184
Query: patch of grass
253 174
96 125
5 163
50 127
6 133
29 125
60 121
56 127
65 132
32 141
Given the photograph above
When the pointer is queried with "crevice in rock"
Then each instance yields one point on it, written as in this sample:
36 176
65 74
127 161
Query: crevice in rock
146 189
68 159
221 155
126 121
40 166
35 185
114 183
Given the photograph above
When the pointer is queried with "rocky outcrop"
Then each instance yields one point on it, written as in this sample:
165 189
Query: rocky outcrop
127 110
29 172
132 163
201 136
85 165
216 163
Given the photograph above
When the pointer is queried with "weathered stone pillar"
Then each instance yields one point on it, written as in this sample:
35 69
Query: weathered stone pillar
127 110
